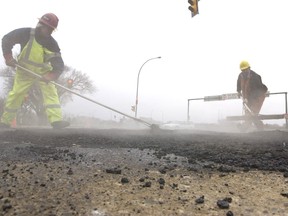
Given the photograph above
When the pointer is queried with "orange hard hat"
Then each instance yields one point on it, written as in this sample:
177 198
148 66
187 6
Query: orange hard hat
50 20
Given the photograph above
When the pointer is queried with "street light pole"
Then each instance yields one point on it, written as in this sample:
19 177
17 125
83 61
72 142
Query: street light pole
136 104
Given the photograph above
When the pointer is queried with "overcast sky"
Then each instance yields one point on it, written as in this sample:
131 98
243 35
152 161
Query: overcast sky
110 40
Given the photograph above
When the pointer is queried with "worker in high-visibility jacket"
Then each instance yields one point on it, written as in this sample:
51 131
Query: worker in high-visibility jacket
41 54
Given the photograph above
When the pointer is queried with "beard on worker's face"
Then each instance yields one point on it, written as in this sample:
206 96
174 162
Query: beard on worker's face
43 30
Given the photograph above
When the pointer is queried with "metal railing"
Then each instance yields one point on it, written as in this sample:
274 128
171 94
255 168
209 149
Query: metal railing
235 96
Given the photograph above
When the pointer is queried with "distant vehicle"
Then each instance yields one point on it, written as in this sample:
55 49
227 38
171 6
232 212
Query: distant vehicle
177 126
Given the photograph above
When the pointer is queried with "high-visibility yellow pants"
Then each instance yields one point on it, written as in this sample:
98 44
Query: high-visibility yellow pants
22 84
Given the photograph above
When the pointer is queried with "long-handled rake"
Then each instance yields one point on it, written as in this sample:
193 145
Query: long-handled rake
152 126
253 117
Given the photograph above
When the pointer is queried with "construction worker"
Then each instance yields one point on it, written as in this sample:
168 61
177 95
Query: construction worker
39 53
251 89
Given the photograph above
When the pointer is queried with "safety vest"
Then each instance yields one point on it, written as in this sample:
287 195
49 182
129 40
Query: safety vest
35 57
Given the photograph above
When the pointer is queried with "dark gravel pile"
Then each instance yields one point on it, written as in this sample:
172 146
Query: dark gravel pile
259 150
82 172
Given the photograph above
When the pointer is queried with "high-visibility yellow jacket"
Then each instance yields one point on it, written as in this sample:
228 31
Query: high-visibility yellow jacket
45 55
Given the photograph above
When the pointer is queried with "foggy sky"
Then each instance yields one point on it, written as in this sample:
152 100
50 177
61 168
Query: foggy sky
110 40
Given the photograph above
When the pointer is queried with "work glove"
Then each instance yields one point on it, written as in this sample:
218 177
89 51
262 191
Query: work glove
9 60
50 76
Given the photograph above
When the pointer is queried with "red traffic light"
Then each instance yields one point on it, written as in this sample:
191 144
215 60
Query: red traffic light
133 108
70 83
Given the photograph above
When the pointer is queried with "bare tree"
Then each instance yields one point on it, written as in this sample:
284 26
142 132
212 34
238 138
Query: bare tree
33 101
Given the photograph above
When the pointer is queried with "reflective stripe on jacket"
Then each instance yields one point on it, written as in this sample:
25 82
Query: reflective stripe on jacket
33 56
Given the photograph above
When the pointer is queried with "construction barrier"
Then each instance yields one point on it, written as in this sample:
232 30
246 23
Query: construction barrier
231 96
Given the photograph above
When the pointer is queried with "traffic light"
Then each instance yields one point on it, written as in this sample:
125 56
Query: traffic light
70 83
133 108
193 7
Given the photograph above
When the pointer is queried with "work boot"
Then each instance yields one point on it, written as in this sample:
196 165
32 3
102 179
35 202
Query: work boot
60 124
259 125
4 126
244 127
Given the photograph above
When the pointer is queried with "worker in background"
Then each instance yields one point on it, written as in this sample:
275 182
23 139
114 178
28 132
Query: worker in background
251 89
39 53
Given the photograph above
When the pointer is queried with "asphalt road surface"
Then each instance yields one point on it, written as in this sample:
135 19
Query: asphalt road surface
78 171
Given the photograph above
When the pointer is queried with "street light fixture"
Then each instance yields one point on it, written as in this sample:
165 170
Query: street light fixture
136 104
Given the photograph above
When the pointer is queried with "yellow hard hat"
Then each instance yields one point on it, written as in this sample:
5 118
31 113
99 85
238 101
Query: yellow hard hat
244 65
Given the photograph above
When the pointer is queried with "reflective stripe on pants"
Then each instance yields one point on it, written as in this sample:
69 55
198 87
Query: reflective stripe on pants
21 86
